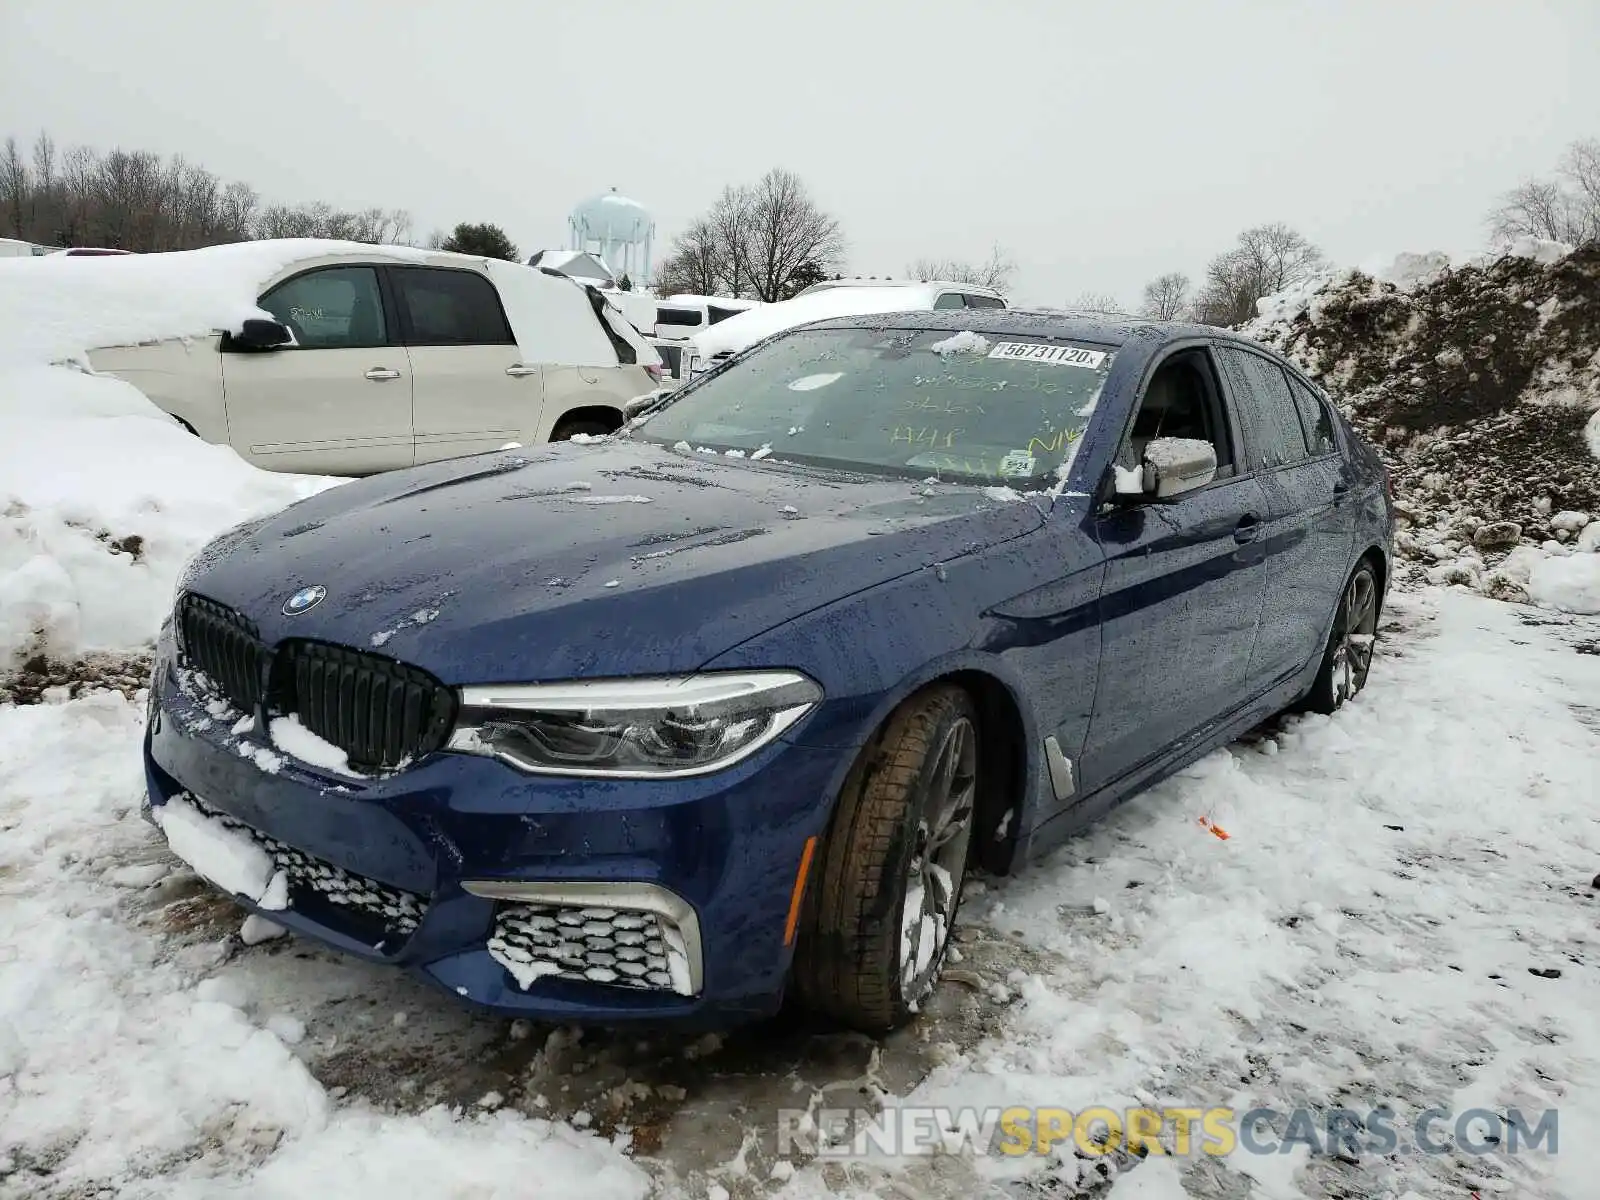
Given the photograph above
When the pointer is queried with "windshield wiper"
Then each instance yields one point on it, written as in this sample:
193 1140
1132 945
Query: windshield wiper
650 402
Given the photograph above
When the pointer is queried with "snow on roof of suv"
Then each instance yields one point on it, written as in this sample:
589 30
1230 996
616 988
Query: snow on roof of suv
68 308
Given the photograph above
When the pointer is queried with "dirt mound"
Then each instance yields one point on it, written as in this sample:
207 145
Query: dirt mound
1480 383
37 679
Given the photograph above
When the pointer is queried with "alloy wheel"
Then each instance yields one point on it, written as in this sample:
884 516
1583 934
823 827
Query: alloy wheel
1357 634
938 860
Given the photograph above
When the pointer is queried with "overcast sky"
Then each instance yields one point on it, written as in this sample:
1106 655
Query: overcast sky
1102 144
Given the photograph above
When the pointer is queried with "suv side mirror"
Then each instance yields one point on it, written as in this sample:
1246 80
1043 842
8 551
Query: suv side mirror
1172 467
257 334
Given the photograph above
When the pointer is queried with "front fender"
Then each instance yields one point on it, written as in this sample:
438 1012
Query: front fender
872 650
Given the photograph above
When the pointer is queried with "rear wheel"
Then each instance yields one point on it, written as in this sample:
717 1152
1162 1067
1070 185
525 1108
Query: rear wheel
1348 657
884 904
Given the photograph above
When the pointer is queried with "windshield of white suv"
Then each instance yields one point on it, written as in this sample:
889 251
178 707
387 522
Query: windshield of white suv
995 409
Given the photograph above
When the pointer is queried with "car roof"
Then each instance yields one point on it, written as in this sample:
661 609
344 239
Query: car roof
1103 328
941 284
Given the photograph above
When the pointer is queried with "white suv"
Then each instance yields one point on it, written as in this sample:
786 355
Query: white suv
385 357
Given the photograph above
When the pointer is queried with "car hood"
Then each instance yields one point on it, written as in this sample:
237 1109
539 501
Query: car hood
588 560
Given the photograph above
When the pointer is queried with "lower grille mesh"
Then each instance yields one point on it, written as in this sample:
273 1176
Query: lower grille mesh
397 913
596 945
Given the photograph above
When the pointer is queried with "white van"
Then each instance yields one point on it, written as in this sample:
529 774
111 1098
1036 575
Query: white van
680 317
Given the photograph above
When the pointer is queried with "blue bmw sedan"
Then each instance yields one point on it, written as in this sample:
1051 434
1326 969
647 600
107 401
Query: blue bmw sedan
667 725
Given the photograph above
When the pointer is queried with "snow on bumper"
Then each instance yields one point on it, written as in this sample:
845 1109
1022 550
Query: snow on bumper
226 856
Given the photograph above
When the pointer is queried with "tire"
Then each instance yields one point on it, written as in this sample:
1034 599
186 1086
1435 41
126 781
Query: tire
861 959
1347 660
590 427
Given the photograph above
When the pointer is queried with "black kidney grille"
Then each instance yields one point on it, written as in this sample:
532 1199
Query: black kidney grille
379 712
224 647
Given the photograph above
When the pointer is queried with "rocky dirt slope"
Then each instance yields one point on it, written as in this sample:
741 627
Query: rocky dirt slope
1481 384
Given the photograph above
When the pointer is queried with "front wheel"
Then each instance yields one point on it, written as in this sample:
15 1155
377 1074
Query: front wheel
587 427
1348 656
884 902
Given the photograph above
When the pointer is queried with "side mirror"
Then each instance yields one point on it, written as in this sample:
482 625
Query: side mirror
257 334
1173 466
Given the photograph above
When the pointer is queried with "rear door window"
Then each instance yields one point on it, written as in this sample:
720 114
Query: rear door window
974 301
1267 408
441 307
678 316
1315 416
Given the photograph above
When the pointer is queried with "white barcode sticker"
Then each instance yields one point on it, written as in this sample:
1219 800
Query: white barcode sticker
1057 356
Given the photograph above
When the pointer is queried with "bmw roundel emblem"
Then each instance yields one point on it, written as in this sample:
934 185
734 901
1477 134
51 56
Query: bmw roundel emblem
305 599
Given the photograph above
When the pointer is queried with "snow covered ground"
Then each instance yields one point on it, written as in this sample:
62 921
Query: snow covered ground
1366 934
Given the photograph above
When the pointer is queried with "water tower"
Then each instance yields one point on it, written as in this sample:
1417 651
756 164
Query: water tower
616 228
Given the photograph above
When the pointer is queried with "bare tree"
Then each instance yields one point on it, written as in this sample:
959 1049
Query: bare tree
766 240
16 189
135 200
1267 259
1563 209
695 265
1098 303
994 272
783 231
1166 297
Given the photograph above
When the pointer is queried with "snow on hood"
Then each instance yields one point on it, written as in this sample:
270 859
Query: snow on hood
750 327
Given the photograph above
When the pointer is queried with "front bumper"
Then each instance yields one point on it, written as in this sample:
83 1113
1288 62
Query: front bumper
567 900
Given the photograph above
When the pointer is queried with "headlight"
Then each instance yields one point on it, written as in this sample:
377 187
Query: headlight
632 728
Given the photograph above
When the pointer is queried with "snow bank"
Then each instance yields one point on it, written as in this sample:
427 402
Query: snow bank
1567 583
102 500
750 327
134 1071
1540 250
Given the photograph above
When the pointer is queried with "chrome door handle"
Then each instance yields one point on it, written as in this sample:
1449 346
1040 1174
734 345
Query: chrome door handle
379 374
520 370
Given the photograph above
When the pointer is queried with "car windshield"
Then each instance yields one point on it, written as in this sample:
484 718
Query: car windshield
999 408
